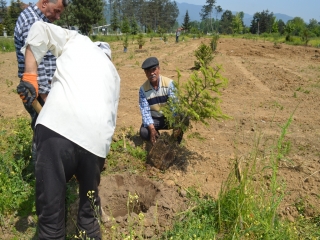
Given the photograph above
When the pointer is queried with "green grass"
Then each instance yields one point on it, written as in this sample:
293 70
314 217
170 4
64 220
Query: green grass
124 154
15 172
7 45
246 208
276 38
247 204
16 175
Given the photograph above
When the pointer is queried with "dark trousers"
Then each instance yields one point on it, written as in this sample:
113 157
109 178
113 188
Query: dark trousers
58 159
159 124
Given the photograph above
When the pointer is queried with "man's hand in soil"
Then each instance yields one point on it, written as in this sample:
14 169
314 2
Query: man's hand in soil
153 134
28 89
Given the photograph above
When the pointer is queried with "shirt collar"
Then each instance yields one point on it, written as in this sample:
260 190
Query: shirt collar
39 13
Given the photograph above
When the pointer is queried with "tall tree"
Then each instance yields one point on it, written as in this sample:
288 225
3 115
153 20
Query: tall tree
87 13
275 25
281 26
160 13
134 27
15 9
289 29
314 26
3 9
237 23
12 15
299 25
186 22
115 23
226 22
218 11
206 11
67 18
125 26
265 21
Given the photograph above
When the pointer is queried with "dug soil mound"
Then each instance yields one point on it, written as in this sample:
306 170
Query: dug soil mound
136 203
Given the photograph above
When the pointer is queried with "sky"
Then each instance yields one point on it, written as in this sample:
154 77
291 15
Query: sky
306 9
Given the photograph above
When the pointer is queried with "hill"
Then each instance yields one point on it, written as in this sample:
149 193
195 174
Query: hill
194 10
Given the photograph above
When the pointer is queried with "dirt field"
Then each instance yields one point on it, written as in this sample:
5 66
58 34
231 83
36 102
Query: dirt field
266 84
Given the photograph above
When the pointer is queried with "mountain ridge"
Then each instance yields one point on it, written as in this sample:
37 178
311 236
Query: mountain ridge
194 10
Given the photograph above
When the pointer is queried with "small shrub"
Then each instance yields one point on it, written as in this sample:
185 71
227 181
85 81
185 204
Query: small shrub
204 54
141 40
214 42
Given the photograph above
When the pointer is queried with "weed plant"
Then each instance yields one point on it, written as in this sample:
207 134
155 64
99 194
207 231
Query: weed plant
124 153
247 204
7 45
16 172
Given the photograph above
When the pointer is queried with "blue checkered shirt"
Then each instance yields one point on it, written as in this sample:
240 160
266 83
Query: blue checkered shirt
144 105
47 66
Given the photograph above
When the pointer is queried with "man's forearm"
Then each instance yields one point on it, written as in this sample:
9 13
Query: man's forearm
31 65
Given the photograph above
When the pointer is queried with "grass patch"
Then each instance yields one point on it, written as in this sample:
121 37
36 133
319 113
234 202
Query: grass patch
16 172
7 45
127 152
248 202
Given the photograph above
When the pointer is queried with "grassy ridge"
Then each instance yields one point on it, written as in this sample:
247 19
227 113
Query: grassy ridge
7 44
248 202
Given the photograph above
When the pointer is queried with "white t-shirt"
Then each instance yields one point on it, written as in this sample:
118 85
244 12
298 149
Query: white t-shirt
83 101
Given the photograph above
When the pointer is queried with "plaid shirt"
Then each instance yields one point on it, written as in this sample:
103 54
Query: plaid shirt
47 66
144 105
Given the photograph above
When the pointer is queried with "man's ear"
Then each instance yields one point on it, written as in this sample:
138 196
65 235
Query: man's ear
44 3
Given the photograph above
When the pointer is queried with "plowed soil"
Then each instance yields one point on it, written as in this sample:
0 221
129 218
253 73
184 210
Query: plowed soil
267 84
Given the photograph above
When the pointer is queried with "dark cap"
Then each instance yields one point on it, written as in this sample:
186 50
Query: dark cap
150 62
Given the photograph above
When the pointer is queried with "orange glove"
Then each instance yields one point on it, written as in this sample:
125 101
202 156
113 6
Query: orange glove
33 80
28 88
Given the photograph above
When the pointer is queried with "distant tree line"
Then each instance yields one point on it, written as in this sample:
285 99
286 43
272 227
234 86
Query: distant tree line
134 16
128 16
262 22
9 15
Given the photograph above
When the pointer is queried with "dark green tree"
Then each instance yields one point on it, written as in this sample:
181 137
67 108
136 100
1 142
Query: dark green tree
314 26
299 26
265 22
281 26
87 13
161 13
226 22
306 35
288 30
3 9
67 18
115 23
186 22
134 27
237 23
125 26
12 15
15 10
